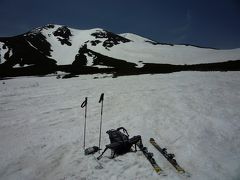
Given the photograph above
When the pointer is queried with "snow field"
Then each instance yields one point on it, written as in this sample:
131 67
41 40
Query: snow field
194 114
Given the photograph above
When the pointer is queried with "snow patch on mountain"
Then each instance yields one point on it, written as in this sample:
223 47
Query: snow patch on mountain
32 45
90 59
3 51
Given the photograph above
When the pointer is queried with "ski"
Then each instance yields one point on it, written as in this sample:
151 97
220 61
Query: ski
150 158
169 157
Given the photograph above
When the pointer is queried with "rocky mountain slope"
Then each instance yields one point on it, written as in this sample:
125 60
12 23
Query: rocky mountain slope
54 48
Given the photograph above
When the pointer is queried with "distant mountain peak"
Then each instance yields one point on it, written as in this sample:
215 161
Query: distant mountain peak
56 42
57 45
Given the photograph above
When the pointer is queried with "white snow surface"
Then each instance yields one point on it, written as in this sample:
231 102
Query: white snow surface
194 114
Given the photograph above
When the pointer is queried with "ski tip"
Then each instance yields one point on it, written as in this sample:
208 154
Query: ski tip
186 174
181 171
162 173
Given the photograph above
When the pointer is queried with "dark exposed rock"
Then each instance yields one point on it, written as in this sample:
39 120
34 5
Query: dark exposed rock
96 42
111 38
65 41
31 48
67 76
80 58
38 40
63 34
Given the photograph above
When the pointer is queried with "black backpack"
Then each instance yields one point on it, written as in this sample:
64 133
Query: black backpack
120 142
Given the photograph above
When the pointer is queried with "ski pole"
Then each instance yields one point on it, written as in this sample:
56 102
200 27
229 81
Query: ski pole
101 101
84 104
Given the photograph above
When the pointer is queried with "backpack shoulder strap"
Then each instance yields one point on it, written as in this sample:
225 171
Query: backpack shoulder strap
124 130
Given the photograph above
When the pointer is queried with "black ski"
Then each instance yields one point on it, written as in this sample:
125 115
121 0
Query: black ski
169 157
150 158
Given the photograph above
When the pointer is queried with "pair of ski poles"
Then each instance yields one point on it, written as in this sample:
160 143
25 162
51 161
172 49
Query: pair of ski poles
84 104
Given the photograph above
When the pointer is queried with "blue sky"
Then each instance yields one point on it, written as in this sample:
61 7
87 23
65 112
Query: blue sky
212 23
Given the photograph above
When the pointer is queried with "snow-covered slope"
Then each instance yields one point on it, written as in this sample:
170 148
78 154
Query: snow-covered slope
141 49
62 44
195 115
65 54
138 49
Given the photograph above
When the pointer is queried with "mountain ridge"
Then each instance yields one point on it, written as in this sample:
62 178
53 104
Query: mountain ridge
51 46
